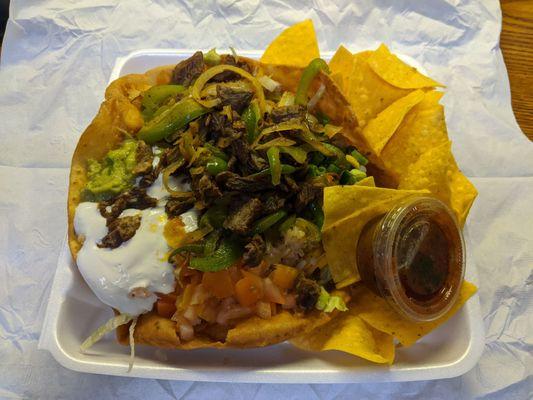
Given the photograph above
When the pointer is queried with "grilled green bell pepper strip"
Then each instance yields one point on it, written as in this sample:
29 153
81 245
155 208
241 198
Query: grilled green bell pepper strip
308 75
214 216
251 116
227 253
154 98
210 243
166 123
297 153
216 165
216 151
275 164
266 222
285 170
188 248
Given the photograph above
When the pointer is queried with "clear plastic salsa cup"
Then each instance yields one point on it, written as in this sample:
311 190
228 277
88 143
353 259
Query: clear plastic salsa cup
414 257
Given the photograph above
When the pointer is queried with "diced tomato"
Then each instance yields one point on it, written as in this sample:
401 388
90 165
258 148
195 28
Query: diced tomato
218 284
249 289
284 276
235 273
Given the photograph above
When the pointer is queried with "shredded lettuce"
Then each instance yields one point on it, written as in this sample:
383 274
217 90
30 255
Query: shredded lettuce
132 344
109 326
327 303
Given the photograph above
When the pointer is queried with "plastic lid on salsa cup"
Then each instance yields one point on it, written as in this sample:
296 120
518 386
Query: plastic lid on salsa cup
415 257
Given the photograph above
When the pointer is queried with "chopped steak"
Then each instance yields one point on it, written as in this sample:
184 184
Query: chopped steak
249 160
272 202
241 219
143 158
282 114
168 156
306 195
176 207
254 251
186 72
207 190
216 123
119 231
307 292
149 179
237 99
232 181
134 198
291 184
227 76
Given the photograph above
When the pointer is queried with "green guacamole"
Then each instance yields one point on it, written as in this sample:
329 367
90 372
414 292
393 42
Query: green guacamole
112 175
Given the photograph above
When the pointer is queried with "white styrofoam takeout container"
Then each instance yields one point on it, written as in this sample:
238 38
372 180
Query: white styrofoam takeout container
74 312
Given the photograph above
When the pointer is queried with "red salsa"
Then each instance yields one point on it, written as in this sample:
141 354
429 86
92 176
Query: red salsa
414 257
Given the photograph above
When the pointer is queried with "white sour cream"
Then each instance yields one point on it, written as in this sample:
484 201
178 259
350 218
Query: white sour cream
140 262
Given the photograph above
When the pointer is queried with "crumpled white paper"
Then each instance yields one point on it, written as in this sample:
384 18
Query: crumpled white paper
56 59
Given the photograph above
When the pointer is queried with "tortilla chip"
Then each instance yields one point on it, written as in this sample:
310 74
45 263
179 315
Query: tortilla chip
376 312
296 46
379 130
422 129
432 171
341 66
437 171
350 334
397 73
367 92
463 194
346 211
368 181
257 332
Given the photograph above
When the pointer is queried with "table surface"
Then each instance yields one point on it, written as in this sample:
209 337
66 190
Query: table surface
516 43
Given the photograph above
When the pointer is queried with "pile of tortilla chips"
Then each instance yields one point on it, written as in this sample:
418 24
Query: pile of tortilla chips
401 128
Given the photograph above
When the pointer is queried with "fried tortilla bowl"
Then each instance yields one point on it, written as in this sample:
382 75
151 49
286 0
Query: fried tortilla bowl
119 117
